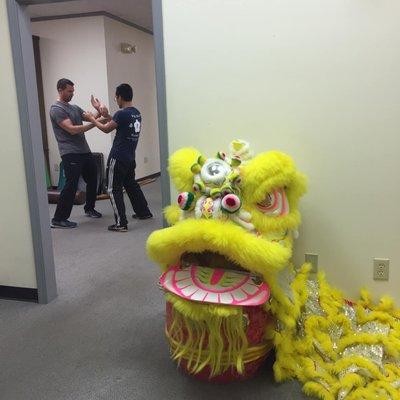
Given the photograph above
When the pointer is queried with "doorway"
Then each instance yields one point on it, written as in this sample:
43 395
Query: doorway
34 144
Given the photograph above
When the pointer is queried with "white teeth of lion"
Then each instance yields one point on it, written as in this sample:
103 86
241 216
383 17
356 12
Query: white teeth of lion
226 298
199 295
212 297
239 295
189 291
184 283
181 275
251 289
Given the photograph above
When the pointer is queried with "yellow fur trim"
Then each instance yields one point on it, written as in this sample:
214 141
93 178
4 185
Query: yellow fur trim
172 214
225 237
179 168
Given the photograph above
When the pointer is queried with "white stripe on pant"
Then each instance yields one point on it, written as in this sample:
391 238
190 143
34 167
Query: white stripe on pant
110 188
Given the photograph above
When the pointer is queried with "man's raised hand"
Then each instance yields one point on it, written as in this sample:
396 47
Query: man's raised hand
95 102
103 110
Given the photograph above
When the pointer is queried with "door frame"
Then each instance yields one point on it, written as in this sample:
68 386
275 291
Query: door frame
27 95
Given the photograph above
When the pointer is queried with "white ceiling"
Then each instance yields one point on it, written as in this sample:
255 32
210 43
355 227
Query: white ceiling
136 11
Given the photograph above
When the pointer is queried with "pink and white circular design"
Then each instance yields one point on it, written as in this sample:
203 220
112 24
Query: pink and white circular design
275 204
215 285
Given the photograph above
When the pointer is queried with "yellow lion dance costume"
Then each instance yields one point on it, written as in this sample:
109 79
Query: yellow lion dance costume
232 293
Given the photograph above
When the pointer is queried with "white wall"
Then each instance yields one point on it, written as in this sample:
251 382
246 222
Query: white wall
17 266
318 80
74 48
138 70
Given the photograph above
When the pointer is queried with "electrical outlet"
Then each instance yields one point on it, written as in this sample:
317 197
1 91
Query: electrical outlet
312 258
146 160
381 269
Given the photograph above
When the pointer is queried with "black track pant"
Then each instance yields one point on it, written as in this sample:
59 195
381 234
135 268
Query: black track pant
122 175
76 165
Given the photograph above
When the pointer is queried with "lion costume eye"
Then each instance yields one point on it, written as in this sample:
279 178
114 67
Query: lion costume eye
214 171
275 204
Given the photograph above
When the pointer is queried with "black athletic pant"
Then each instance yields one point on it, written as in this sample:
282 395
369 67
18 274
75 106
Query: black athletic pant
76 165
122 175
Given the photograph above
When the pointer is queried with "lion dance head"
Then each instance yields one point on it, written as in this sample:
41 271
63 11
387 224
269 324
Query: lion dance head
226 257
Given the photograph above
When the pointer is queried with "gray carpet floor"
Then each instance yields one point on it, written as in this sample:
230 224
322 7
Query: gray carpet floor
103 337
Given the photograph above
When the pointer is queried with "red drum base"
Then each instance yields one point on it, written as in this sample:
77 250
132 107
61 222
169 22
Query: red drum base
257 322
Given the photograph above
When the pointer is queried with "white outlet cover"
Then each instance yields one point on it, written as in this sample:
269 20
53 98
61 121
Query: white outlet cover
381 269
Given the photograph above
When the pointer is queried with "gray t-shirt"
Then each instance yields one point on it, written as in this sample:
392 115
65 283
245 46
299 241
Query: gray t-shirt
68 143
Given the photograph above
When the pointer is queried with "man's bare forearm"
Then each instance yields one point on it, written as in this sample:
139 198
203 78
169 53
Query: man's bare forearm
77 129
99 124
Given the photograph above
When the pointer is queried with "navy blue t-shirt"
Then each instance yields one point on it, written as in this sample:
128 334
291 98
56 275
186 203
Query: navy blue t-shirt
129 123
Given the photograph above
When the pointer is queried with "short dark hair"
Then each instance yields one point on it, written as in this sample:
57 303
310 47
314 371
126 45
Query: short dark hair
125 91
63 82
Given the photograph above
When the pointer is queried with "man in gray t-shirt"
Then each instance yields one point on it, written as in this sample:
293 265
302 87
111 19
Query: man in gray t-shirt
67 120
67 142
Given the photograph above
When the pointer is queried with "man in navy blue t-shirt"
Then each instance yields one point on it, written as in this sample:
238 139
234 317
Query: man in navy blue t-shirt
121 161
